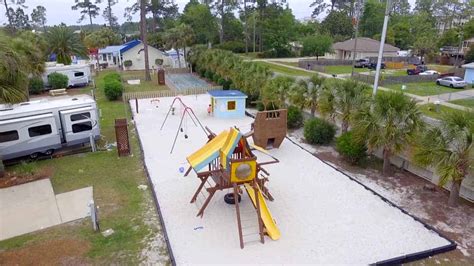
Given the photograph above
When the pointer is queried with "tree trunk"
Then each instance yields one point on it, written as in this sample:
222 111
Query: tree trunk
454 193
179 57
344 126
313 110
110 14
144 38
246 28
8 14
221 32
386 162
185 56
90 17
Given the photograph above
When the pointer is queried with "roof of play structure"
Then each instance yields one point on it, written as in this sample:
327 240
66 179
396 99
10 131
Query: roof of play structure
227 94
225 142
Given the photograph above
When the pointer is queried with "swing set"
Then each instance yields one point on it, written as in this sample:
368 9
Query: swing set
190 114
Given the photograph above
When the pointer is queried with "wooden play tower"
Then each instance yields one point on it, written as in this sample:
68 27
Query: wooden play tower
227 160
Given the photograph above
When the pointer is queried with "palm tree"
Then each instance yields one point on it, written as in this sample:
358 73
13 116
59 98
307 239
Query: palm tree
391 124
187 37
277 90
173 39
64 43
13 72
305 93
449 148
343 100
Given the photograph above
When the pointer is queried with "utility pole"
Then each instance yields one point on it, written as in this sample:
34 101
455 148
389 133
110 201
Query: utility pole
382 43
356 12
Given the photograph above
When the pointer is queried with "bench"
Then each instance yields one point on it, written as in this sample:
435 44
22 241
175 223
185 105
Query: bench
57 92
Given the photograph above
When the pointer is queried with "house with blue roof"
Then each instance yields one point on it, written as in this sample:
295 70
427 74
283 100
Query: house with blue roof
133 51
227 103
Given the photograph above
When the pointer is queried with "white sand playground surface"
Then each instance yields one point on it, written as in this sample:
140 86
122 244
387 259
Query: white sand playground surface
323 216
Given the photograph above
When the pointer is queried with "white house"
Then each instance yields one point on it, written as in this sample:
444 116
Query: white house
469 74
366 47
133 51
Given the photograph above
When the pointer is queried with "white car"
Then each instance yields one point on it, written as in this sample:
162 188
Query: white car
451 81
429 73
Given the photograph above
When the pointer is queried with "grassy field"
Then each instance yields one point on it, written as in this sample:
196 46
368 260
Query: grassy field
469 102
144 85
285 70
423 88
430 110
440 68
123 207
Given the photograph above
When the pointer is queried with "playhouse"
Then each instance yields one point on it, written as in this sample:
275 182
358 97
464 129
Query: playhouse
227 103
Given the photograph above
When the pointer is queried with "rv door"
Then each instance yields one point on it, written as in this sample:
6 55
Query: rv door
79 124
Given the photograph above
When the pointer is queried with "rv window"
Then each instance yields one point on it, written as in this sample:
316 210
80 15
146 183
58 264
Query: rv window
81 116
78 74
80 127
39 130
8 136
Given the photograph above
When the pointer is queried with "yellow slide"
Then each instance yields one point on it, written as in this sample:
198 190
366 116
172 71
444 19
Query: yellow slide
272 230
208 152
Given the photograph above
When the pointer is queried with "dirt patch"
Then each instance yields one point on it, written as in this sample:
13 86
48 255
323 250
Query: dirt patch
13 178
421 199
50 252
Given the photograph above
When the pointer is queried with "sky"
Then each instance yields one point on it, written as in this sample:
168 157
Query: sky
58 11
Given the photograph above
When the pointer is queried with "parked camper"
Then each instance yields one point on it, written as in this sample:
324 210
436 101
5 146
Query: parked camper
43 126
78 75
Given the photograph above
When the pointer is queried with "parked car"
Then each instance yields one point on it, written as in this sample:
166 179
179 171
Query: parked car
361 63
452 81
429 73
374 65
417 70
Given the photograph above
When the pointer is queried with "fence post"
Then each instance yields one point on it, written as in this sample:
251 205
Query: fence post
136 104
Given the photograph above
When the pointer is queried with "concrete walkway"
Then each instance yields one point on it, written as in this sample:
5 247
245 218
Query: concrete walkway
33 206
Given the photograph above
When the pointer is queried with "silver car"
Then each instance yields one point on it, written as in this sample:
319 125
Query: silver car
451 81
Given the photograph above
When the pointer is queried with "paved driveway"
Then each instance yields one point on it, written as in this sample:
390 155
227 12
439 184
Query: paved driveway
33 206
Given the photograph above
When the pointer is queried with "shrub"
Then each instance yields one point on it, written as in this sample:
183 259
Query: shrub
113 76
295 117
57 80
319 131
36 85
127 63
208 74
351 149
234 46
113 89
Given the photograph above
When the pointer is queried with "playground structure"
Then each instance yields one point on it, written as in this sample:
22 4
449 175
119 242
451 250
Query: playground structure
269 128
185 110
230 163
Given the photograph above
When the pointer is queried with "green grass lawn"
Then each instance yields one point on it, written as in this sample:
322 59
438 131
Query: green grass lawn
144 85
469 102
422 88
114 180
342 70
430 110
294 64
440 68
285 70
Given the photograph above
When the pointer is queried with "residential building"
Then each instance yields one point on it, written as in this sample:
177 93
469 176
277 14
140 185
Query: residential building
366 48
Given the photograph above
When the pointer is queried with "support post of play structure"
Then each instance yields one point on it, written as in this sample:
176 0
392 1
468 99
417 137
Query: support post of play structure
237 210
257 205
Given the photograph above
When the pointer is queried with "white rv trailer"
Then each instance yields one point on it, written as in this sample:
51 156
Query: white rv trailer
45 125
78 75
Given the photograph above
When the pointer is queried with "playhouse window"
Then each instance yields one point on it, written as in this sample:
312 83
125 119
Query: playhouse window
231 105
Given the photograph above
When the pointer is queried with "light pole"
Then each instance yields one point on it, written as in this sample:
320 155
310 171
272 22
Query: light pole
382 43
357 10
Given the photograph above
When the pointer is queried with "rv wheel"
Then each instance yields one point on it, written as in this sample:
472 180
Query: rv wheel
34 155
49 152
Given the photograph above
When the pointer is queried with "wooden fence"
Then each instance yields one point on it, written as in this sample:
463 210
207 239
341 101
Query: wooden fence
167 93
